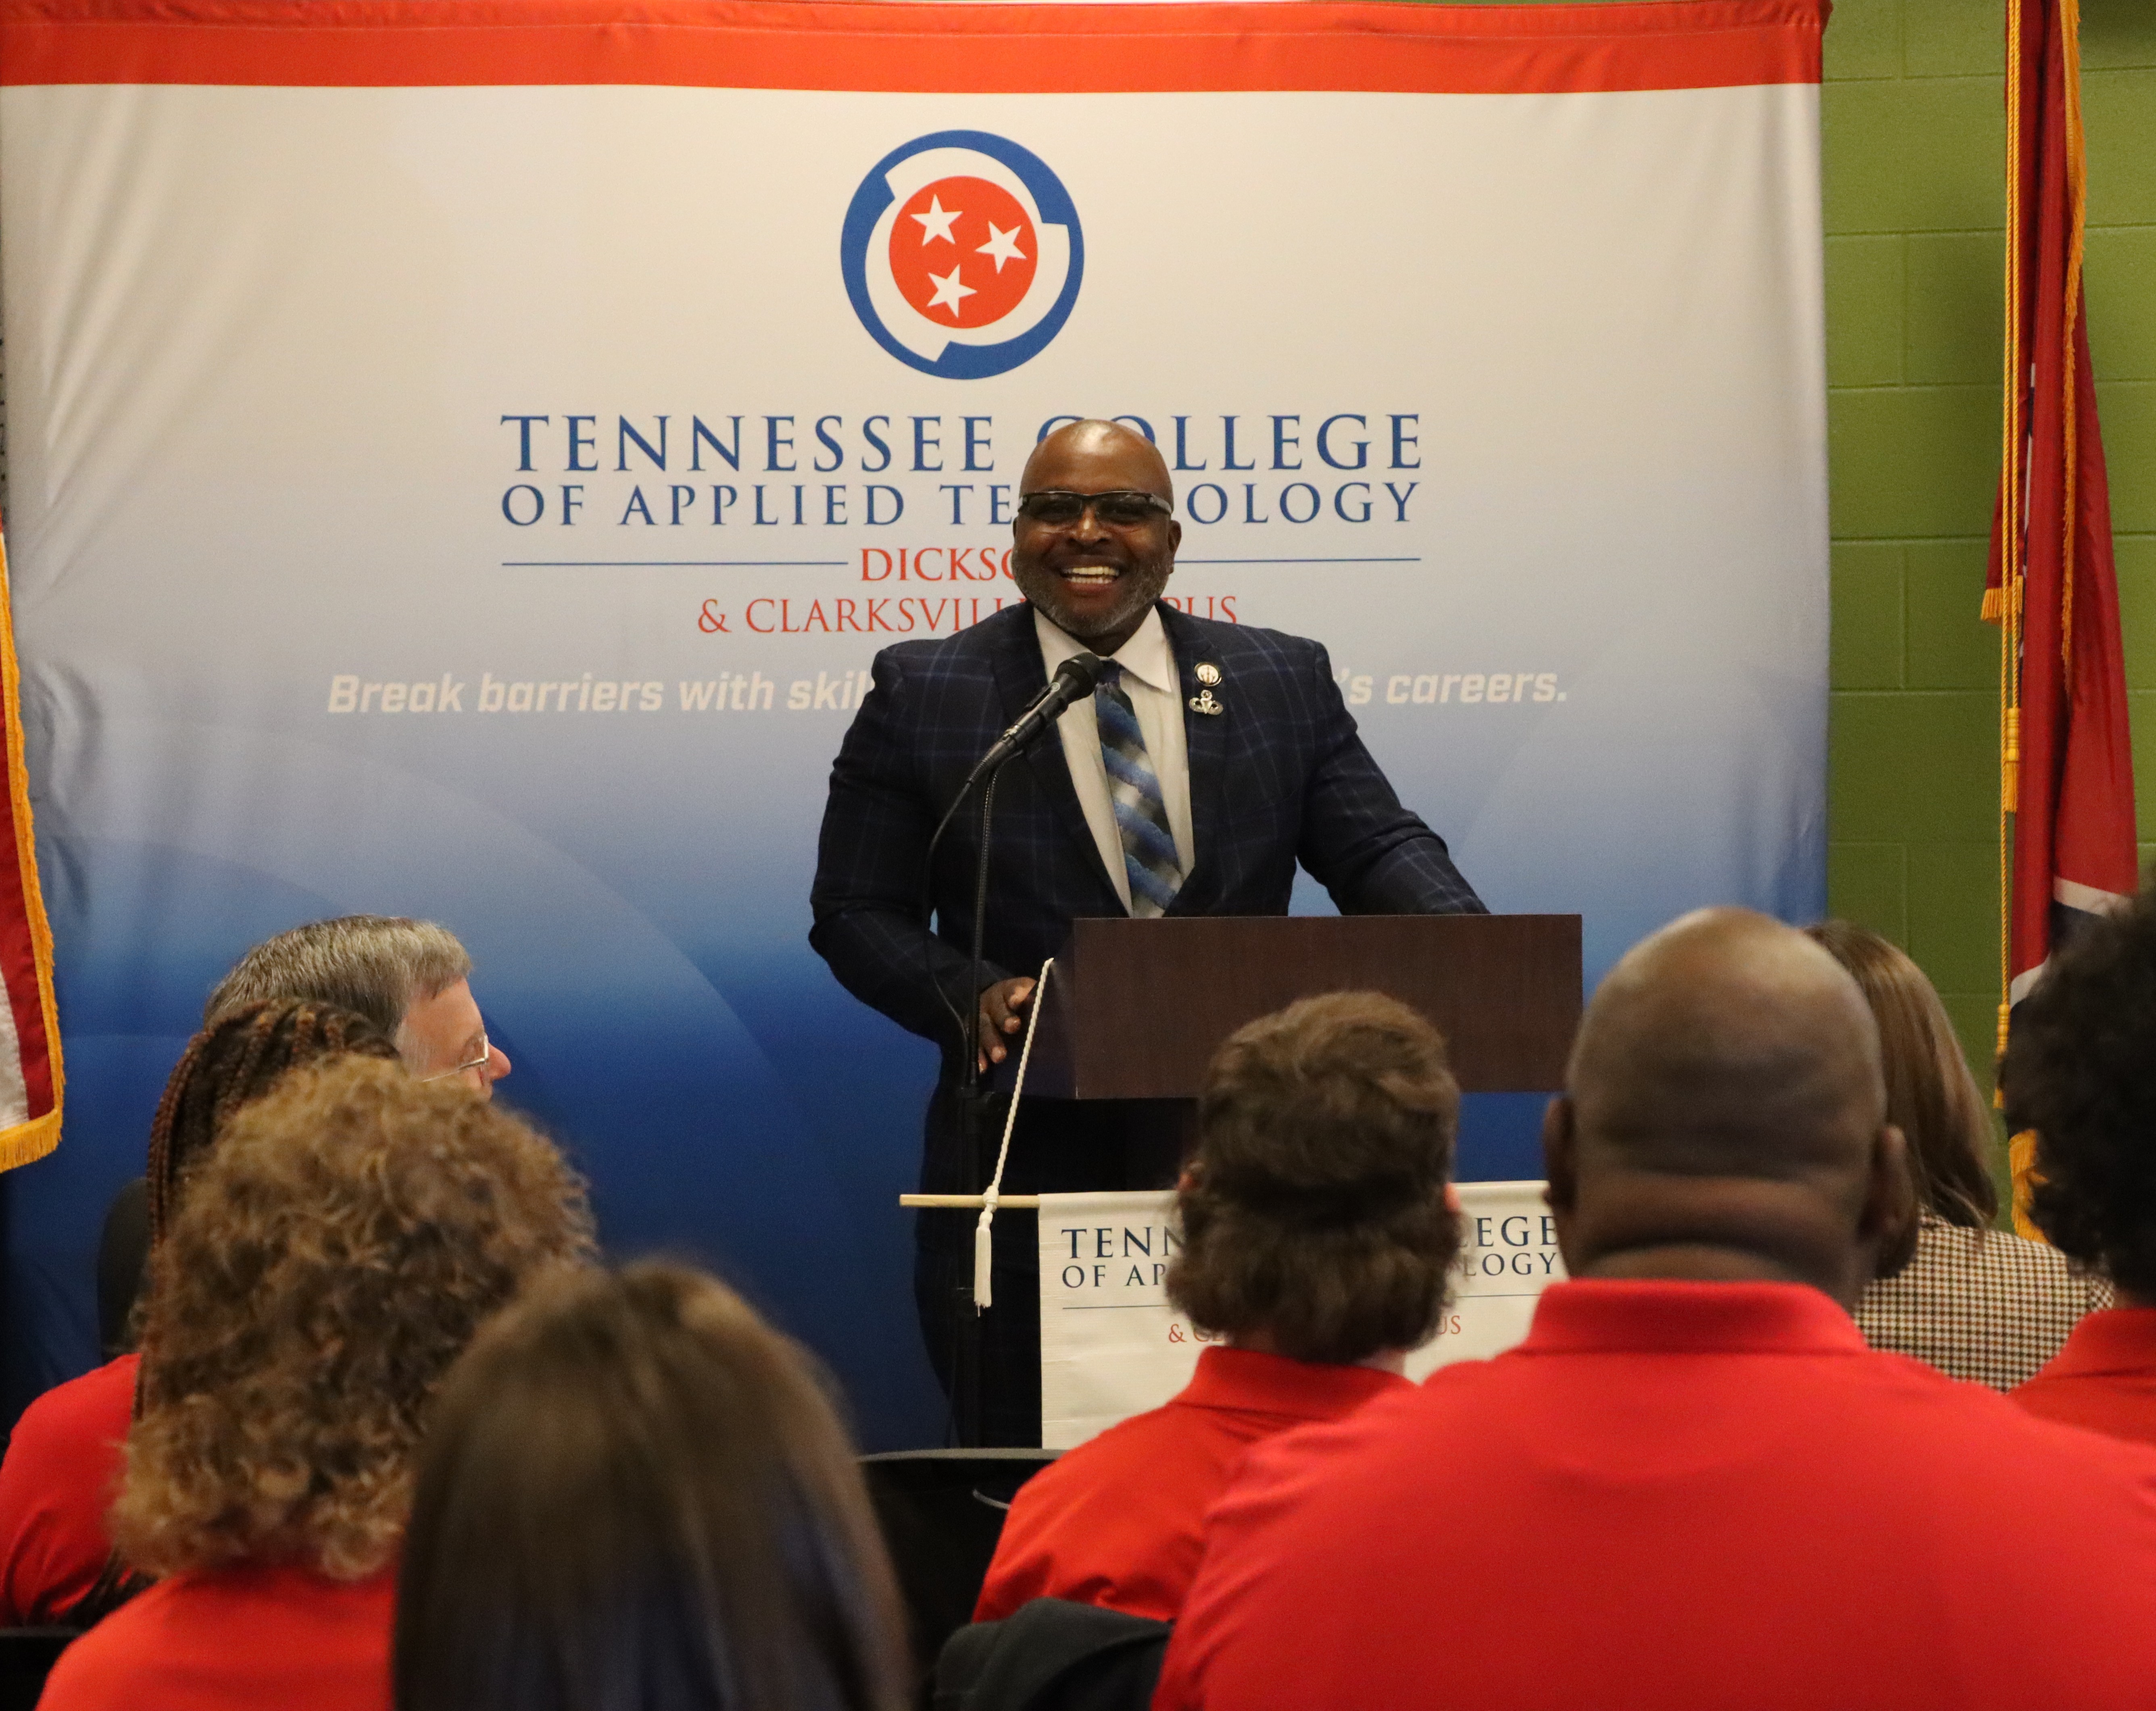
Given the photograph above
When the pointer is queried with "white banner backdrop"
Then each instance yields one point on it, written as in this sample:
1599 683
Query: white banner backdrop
1112 1344
462 459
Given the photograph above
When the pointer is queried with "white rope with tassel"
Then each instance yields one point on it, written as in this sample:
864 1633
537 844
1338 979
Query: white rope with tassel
984 1294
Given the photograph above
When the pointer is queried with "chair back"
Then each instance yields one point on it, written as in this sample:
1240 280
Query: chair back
1053 1655
942 1512
123 1254
27 1656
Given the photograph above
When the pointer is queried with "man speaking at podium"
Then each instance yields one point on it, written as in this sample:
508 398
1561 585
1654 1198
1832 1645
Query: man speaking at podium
1208 761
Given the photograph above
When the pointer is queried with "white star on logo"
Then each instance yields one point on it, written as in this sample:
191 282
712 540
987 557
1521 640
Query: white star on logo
949 293
936 222
1002 246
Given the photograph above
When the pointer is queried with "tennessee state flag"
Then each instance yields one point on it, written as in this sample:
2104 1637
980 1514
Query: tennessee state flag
2066 805
31 1077
31 1080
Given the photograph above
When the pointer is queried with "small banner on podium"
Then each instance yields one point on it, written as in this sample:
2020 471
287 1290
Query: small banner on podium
1111 1345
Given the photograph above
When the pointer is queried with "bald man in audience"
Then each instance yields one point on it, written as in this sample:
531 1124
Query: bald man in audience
1693 1486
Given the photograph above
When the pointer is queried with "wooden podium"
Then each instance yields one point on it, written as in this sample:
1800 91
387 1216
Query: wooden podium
1135 1009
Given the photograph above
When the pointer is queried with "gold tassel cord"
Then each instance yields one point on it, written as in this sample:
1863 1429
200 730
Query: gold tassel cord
2069 40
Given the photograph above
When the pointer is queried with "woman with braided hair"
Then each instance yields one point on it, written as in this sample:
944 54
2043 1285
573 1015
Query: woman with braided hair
64 1462
232 1064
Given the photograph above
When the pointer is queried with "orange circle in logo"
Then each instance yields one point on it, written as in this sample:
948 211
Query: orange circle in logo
963 252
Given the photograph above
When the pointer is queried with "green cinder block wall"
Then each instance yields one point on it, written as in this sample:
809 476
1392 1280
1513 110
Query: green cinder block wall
1913 130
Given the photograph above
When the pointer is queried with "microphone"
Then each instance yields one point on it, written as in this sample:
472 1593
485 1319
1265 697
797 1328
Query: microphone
1074 682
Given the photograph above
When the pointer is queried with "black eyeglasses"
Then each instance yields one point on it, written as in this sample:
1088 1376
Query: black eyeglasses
1121 510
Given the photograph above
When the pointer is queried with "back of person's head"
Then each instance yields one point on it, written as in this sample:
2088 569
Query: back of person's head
331 1257
1725 1117
230 1065
378 965
1314 1211
633 1494
1931 1096
2080 1071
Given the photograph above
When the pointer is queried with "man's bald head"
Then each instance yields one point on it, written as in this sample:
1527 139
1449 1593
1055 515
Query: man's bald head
1107 450
1728 1043
1725 1098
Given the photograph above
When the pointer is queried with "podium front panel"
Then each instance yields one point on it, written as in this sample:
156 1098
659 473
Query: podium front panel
1135 1009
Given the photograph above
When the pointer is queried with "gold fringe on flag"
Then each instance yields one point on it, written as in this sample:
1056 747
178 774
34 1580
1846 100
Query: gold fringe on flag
32 1140
2021 1165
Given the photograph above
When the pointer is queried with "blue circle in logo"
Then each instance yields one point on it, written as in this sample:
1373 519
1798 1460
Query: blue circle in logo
960 362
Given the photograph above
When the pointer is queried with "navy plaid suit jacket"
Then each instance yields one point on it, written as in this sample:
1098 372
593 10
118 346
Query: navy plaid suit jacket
1277 778
1280 776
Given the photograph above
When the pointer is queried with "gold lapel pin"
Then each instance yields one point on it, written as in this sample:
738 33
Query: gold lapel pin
1208 674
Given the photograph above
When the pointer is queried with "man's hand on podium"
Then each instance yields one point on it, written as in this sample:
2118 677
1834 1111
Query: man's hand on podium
1003 1011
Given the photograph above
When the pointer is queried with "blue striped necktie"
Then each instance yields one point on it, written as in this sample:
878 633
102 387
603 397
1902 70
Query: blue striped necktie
1134 788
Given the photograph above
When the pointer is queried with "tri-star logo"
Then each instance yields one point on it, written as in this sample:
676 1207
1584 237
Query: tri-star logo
962 253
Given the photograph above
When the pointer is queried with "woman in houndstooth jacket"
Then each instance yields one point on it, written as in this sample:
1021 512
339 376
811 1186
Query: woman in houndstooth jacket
1975 1302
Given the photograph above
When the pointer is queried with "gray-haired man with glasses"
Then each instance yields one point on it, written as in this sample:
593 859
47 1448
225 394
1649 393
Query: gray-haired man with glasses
1210 760
411 978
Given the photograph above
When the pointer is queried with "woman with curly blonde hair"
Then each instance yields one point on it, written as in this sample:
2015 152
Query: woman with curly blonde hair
329 1262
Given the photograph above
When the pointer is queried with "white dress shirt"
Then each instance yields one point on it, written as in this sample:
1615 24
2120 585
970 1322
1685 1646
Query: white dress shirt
1156 693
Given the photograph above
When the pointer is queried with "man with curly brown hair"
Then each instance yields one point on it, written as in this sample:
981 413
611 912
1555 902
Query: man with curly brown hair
2080 1072
1318 1221
331 1258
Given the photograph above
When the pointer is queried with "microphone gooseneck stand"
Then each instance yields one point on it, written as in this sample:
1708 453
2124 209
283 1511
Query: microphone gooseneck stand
976 1119
975 1112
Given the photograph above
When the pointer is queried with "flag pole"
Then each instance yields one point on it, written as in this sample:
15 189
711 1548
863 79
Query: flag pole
2002 605
2066 808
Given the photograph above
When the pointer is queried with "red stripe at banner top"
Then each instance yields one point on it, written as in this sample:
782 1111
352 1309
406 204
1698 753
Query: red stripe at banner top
1405 49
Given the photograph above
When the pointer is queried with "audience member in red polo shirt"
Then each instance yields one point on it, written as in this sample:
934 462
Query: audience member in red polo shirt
63 1462
329 1262
1318 1224
268 1637
2104 1379
1694 1486
2080 1072
61 1473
